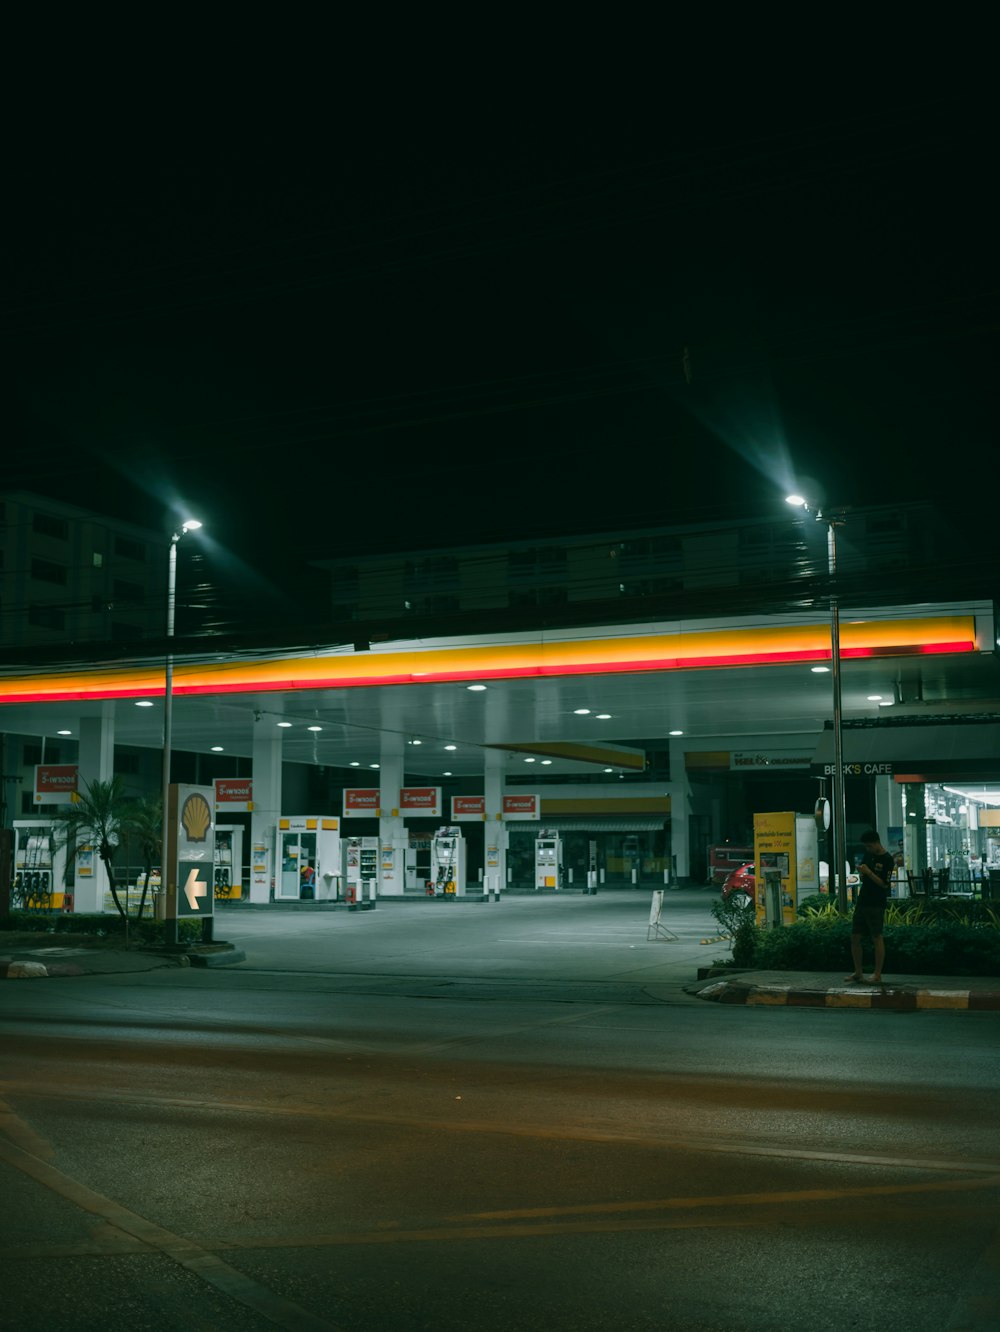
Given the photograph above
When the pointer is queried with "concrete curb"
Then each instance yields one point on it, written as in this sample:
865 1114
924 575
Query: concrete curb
854 996
37 970
219 957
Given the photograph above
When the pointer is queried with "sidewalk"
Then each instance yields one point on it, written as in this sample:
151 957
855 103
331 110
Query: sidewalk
25 960
806 989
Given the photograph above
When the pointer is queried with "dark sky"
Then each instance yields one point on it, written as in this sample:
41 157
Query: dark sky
355 335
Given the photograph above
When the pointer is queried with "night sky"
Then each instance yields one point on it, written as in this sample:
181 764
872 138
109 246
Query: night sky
354 335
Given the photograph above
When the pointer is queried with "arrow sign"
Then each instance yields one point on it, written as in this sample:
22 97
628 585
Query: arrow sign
194 888
195 896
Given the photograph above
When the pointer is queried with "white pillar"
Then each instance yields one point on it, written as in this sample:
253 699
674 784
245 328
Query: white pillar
96 763
266 807
495 830
680 808
888 806
392 838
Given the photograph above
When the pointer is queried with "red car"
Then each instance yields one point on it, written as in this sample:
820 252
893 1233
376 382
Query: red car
741 886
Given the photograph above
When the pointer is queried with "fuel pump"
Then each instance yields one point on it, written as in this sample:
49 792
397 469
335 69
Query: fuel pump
360 870
548 860
228 861
447 864
39 862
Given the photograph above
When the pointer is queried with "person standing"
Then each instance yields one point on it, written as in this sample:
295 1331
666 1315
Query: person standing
875 870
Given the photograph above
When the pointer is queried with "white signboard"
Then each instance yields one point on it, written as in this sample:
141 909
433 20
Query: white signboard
756 760
193 812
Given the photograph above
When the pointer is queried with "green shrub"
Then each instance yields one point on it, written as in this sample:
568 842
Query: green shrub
99 926
933 946
816 903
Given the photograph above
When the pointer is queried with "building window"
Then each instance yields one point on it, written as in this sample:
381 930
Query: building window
536 596
46 617
47 572
45 525
126 764
127 591
129 550
98 560
33 755
544 563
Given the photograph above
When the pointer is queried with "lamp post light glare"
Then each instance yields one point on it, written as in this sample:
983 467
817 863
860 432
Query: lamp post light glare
191 525
839 870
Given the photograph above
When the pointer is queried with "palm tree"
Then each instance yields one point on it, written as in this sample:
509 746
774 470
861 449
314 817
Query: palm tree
98 814
145 826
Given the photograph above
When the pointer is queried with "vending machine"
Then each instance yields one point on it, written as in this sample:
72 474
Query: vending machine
361 870
447 876
228 861
308 859
548 860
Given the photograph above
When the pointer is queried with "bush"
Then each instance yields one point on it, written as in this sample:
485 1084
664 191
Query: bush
820 903
935 945
98 926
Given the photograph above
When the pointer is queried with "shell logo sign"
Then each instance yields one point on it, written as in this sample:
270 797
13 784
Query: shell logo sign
196 816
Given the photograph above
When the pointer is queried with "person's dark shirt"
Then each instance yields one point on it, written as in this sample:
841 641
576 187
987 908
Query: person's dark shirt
882 864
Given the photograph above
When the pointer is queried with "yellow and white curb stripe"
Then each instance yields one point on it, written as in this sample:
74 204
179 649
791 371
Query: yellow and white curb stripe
904 1000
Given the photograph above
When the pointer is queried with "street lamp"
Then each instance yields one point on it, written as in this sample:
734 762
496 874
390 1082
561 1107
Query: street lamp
191 525
833 521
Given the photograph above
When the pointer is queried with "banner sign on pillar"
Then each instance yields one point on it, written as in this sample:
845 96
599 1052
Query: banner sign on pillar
361 801
55 783
774 850
192 822
234 795
468 808
420 800
522 806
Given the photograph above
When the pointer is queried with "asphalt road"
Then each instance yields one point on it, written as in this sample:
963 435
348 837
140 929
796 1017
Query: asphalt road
394 1120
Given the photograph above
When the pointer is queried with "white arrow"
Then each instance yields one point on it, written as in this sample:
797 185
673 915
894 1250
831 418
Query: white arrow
194 888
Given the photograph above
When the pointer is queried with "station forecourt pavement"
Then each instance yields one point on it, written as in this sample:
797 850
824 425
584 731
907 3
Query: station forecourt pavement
556 944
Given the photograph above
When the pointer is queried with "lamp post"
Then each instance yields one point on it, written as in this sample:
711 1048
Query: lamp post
190 526
833 521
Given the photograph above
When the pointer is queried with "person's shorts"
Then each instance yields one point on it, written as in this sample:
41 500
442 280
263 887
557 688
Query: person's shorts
868 920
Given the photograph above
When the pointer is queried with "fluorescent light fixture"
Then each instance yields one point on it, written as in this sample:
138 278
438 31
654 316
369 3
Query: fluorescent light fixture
676 732
582 712
446 774
314 728
546 762
191 525
475 689
609 769
529 760
283 723
64 732
373 765
603 716
874 698
887 703
820 670
354 763
217 749
451 746
797 501
143 703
